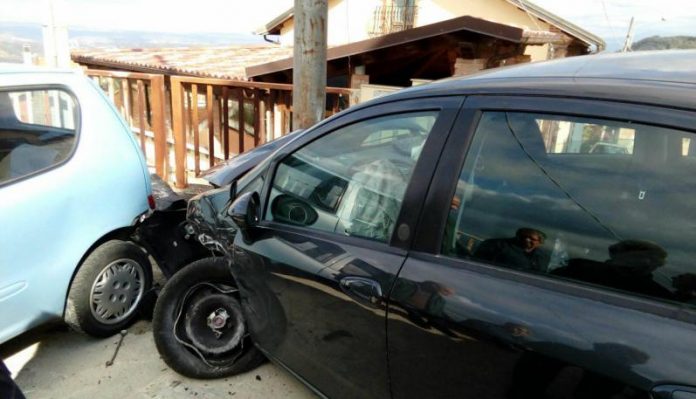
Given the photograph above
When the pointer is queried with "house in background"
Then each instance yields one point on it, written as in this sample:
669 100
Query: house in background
355 20
428 39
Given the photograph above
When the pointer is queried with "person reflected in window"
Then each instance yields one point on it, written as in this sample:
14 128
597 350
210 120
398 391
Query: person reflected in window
685 285
522 252
630 268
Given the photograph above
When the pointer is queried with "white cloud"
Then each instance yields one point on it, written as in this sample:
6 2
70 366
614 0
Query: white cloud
664 17
151 15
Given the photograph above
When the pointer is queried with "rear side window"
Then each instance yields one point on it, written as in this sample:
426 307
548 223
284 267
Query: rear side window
603 202
38 130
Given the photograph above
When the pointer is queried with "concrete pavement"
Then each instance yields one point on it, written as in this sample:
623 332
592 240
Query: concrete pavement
55 362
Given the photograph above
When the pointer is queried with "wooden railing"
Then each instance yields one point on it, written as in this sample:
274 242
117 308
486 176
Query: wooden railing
392 18
218 118
188 124
141 100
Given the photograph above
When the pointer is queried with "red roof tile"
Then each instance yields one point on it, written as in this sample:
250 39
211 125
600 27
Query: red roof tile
228 62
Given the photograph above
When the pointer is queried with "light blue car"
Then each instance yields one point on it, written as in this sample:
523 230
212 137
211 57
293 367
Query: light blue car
73 185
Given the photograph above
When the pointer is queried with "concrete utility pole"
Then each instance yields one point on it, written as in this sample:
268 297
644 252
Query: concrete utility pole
55 36
309 63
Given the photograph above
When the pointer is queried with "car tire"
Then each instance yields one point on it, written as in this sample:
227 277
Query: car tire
187 306
108 289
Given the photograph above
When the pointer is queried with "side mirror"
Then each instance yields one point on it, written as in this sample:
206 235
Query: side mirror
244 211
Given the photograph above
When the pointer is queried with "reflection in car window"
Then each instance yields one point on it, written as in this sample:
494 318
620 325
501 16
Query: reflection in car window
37 131
353 180
622 220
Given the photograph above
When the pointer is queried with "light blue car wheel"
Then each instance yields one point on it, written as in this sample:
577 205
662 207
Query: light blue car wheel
108 289
117 291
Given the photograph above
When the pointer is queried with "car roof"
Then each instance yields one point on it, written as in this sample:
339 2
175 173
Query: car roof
666 66
649 77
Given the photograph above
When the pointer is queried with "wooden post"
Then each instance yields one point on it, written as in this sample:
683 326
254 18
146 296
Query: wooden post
141 114
271 116
260 112
240 124
211 125
186 112
309 62
179 135
335 106
283 112
125 92
157 123
111 91
225 122
194 124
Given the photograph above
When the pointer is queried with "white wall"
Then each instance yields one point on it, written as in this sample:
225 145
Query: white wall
350 20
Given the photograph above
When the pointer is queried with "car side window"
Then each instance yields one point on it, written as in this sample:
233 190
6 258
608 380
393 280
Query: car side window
599 201
37 131
353 180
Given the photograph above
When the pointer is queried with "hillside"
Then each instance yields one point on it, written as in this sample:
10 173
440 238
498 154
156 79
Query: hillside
665 43
14 35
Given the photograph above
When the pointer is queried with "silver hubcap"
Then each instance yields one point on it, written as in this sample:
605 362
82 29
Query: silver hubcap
117 291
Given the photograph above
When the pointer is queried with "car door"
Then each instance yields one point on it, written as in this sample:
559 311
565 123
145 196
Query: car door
38 134
542 268
315 272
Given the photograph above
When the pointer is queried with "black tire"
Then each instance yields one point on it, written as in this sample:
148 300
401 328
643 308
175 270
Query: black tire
188 297
116 274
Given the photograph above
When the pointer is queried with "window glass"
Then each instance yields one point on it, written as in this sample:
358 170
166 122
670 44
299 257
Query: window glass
37 131
622 219
582 136
352 181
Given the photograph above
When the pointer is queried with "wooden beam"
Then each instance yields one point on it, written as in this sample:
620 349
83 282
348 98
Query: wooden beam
240 123
211 125
194 124
127 106
141 114
158 125
249 85
179 134
225 122
258 118
271 116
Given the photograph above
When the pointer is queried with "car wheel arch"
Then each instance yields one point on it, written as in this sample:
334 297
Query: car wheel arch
121 233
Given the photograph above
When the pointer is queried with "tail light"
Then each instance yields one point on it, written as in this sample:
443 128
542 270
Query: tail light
151 202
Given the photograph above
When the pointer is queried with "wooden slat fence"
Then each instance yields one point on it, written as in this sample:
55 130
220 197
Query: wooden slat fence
220 118
204 120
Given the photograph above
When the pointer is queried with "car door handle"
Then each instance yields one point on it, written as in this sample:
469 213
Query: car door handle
674 392
362 289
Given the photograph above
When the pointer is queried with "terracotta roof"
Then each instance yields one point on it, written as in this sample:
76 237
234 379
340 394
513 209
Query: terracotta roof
228 62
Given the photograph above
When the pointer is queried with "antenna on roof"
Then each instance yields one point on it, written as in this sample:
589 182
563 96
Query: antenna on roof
629 38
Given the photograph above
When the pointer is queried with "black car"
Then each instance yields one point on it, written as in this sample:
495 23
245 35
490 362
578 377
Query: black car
463 239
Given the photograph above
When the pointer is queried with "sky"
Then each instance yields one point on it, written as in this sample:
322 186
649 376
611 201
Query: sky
608 19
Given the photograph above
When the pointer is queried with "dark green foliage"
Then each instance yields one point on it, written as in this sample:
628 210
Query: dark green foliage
665 43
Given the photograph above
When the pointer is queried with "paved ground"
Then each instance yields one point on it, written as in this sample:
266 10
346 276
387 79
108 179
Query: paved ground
57 363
